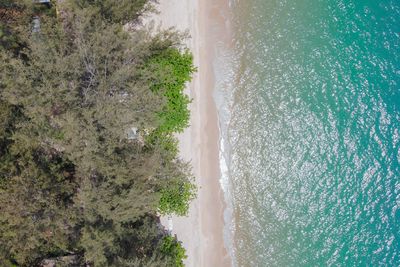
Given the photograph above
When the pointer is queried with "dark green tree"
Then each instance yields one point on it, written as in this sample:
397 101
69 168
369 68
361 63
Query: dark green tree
122 12
73 180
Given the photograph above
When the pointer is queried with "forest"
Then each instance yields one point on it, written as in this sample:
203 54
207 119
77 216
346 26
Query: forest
90 102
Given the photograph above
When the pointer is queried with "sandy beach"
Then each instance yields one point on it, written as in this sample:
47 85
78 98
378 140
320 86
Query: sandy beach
202 231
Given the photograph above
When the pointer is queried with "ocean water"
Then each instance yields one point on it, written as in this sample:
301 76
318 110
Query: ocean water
309 106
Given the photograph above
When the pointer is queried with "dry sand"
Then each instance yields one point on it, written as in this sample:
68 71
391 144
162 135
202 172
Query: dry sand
202 231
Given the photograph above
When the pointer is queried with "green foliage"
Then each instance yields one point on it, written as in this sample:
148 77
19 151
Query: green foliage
171 71
139 243
166 142
38 217
176 198
7 119
172 247
72 184
15 17
122 12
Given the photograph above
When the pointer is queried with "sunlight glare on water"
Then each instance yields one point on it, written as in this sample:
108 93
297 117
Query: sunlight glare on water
312 142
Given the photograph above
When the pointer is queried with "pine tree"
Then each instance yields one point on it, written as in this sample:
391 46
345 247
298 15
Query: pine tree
72 181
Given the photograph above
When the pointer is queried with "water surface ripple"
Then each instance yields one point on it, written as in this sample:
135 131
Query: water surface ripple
314 133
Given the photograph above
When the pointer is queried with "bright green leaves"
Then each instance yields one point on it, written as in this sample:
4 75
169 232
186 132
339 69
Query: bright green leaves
171 70
172 247
176 198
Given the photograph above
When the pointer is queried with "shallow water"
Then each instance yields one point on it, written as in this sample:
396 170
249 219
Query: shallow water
309 105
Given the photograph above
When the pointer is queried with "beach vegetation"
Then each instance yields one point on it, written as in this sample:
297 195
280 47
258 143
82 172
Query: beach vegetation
171 246
126 11
73 186
176 197
170 71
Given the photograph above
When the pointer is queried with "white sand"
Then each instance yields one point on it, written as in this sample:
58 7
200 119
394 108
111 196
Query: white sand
202 231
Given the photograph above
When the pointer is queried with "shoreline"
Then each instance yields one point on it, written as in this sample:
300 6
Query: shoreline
202 232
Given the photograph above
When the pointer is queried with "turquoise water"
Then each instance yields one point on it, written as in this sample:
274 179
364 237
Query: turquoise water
311 132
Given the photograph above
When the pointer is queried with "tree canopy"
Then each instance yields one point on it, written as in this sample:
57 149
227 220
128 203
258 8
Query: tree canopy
73 183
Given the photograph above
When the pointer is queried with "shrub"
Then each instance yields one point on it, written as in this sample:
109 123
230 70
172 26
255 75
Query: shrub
173 248
171 69
175 199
